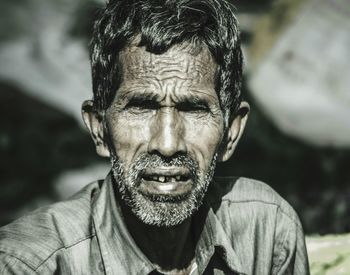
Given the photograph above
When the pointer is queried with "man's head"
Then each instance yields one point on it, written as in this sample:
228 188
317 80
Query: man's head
167 102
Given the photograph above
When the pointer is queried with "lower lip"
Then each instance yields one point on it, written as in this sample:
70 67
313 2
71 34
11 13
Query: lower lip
165 188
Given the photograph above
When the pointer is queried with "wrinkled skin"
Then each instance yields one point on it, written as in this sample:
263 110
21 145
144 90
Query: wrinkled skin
166 108
166 130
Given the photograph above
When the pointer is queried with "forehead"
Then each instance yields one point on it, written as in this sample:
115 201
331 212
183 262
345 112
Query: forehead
184 65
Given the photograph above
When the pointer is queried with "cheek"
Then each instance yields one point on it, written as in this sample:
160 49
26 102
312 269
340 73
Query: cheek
203 140
128 137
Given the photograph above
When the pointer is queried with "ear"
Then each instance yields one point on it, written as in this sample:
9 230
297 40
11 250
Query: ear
235 131
94 124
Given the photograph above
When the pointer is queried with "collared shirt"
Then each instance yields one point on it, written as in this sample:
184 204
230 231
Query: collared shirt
248 229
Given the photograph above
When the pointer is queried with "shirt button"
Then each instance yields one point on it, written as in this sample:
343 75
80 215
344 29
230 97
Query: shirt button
100 266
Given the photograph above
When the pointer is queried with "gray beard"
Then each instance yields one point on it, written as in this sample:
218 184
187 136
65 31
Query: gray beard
161 210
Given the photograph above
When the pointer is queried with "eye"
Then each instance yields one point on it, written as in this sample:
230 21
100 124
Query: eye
142 105
193 107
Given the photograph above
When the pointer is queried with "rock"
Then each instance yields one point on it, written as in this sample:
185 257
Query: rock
329 254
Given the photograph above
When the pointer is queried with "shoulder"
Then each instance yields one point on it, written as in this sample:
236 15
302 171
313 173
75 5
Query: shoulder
33 238
231 192
259 224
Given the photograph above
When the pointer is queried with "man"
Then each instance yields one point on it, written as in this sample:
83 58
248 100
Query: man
167 107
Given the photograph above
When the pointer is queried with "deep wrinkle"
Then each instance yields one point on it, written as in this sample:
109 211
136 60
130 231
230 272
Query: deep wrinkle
147 101
165 111
140 76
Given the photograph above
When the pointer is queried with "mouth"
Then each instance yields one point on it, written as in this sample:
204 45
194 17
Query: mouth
170 181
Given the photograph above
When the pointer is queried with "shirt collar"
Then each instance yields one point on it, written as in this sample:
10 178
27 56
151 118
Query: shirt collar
116 242
118 249
214 236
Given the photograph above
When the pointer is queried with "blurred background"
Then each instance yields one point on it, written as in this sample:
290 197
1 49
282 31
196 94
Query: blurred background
297 82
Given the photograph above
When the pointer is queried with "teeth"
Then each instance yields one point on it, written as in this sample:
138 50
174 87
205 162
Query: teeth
163 179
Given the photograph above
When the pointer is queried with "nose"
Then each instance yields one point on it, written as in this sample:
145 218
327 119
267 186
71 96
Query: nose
167 133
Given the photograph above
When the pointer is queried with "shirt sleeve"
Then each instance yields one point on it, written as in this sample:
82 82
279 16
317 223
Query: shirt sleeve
12 265
290 255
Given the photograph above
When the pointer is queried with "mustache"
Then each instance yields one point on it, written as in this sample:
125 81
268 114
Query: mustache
153 161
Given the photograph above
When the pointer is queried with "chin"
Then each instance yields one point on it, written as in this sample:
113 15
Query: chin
154 206
163 211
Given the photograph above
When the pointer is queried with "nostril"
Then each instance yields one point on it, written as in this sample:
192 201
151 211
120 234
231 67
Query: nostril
167 138
167 147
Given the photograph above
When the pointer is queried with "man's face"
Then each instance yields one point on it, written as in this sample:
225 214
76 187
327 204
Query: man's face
165 125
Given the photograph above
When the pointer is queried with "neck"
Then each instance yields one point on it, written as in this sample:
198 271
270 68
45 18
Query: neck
168 248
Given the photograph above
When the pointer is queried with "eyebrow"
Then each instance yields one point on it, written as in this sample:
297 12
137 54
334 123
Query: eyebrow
144 96
192 99
139 96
